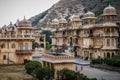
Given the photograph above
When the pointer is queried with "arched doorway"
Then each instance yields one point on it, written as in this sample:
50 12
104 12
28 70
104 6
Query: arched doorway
75 51
104 55
71 41
86 55
108 55
91 55
112 54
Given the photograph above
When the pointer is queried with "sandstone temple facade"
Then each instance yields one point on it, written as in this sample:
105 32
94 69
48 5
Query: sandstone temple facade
88 38
16 42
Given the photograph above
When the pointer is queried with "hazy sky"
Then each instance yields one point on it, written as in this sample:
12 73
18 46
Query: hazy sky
11 10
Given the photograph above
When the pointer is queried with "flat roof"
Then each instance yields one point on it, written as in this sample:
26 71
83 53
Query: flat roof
58 61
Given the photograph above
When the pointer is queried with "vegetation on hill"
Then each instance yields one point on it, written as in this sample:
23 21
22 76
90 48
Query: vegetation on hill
35 20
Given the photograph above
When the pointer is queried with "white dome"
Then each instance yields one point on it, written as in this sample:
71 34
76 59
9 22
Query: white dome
55 20
109 10
24 23
63 20
89 15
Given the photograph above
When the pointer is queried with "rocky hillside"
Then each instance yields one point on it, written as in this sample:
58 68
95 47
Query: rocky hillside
66 8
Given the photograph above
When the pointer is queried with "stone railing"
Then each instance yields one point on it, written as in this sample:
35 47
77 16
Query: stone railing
58 57
105 34
109 24
17 37
23 52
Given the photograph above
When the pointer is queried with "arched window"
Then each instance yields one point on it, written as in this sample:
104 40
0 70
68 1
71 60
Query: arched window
26 46
112 42
21 46
108 55
112 54
104 55
3 45
108 42
4 57
108 30
13 45
71 40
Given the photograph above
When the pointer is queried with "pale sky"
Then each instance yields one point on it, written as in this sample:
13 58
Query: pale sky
11 10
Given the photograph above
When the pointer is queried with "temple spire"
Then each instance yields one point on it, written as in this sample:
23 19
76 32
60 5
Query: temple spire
10 22
24 18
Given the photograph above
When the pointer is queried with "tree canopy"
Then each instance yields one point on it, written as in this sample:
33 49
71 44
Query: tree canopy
48 34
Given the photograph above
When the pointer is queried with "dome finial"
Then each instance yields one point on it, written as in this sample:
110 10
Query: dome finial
24 18
18 20
10 22
109 5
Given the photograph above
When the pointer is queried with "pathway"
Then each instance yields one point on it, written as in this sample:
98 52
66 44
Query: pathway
100 74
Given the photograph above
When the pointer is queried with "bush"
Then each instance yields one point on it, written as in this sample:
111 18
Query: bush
35 45
32 66
115 61
67 74
97 61
45 73
35 69
26 61
47 45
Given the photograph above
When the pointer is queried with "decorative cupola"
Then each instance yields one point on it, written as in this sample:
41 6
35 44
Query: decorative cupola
24 23
17 22
89 18
4 29
55 23
0 30
109 14
63 22
76 21
10 27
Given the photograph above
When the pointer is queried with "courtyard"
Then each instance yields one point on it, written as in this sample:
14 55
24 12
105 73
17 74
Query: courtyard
100 74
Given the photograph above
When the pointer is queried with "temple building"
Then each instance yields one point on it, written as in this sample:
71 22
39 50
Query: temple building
88 37
58 61
16 42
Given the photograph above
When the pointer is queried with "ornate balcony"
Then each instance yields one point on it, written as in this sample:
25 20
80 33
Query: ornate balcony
111 34
17 37
86 35
105 34
87 46
24 52
98 34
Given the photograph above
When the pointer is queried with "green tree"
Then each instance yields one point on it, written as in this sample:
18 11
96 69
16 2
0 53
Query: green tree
66 74
45 73
47 45
31 66
48 34
35 69
35 45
